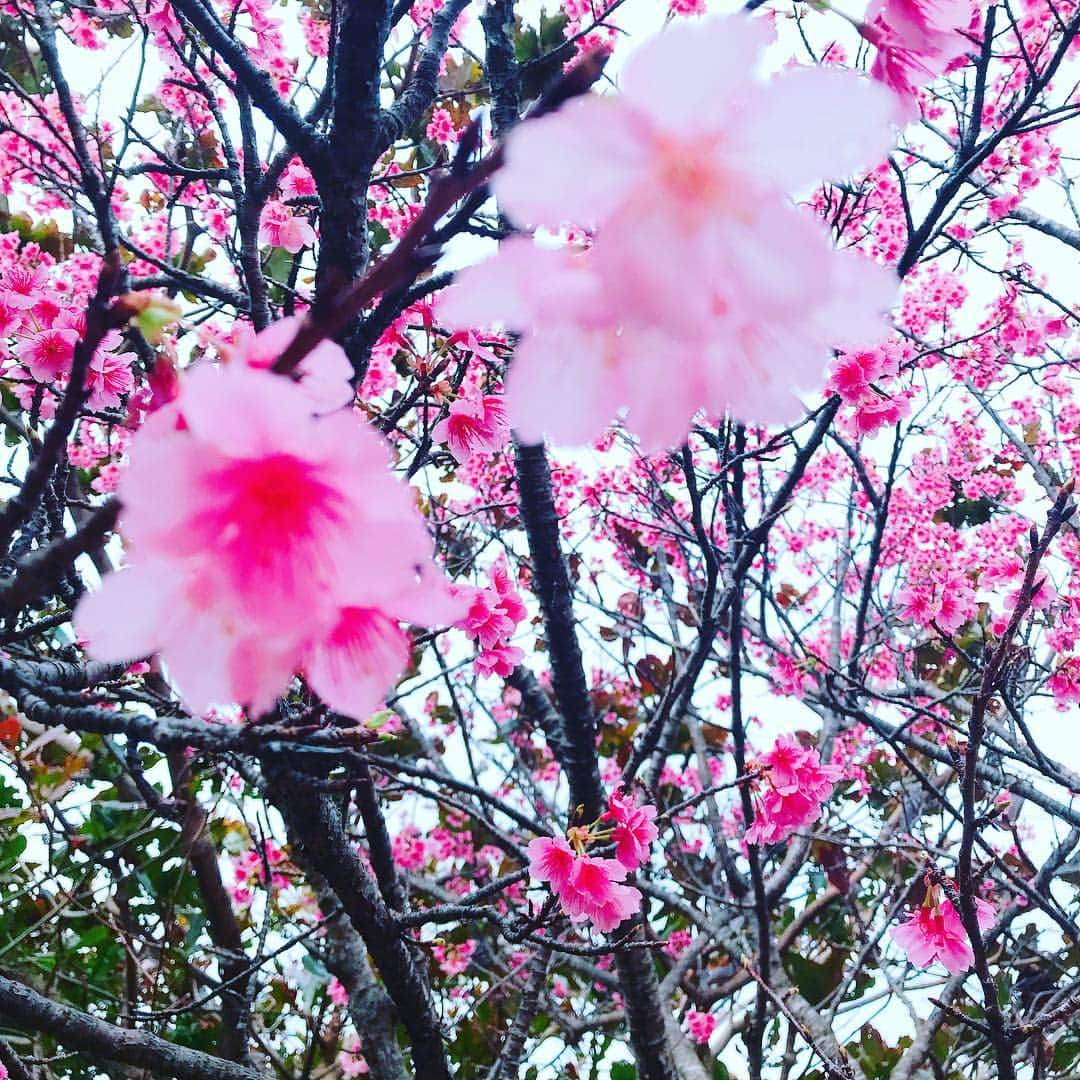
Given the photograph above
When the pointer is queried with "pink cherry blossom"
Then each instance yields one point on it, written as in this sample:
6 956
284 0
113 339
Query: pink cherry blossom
492 617
454 959
634 830
589 888
280 227
793 786
22 286
700 1025
499 661
47 355
108 378
935 932
486 620
551 860
684 196
351 1061
265 541
474 425
916 40
593 892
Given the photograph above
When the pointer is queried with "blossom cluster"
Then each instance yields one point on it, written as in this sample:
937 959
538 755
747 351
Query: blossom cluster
45 322
792 785
492 617
589 887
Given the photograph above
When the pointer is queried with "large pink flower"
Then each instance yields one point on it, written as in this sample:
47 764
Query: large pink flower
264 541
704 287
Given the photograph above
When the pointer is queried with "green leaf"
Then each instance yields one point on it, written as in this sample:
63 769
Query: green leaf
816 980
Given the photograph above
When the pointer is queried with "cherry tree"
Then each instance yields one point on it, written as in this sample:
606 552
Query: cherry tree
539 542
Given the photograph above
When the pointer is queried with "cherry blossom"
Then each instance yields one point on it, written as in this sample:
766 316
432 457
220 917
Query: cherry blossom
633 831
474 425
492 617
701 1025
660 169
231 491
934 932
589 888
793 786
915 39
280 227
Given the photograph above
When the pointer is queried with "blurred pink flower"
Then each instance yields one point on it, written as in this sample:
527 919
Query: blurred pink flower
264 541
704 286
916 41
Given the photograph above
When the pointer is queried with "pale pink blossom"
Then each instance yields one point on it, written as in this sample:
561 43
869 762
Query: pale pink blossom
108 378
704 286
280 227
351 1062
264 541
324 373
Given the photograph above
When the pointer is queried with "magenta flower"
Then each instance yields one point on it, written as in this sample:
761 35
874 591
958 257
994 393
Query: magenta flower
793 786
634 830
109 377
265 541
593 892
588 888
551 861
916 41
47 354
700 1025
935 932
